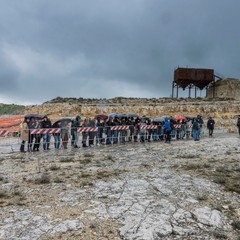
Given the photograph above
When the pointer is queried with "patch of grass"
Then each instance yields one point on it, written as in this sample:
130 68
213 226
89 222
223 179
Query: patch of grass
109 157
93 226
17 193
218 208
57 180
192 166
233 187
54 167
188 156
85 161
223 170
213 160
220 180
231 208
103 174
202 197
20 201
85 175
206 165
3 194
237 178
145 165
219 235
66 159
86 184
219 174
236 225
224 174
44 179
5 180
88 155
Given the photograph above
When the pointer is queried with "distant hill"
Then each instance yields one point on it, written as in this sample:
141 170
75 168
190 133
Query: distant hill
11 109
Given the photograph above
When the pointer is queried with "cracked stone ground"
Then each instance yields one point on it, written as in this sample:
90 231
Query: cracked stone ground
185 190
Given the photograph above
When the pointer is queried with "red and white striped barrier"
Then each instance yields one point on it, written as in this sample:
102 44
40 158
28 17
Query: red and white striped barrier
58 130
45 130
87 129
120 128
149 127
177 126
4 133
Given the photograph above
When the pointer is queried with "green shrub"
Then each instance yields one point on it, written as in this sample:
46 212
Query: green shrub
11 109
202 197
236 225
44 179
57 180
3 194
54 168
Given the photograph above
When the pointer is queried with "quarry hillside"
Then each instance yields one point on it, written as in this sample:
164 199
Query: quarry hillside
224 111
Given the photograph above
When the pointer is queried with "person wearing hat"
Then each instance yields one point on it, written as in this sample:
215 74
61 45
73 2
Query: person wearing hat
210 126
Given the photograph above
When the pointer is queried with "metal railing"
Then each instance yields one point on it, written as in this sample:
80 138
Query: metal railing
62 138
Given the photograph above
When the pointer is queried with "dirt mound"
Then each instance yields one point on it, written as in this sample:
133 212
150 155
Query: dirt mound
11 123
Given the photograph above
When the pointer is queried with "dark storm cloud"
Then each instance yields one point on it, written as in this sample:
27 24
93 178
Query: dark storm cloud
108 48
8 75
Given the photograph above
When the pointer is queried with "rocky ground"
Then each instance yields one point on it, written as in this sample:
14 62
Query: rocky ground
182 190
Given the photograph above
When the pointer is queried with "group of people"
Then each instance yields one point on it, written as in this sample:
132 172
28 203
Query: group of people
34 140
136 130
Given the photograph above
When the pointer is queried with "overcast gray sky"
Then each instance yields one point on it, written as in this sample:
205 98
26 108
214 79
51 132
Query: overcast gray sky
110 48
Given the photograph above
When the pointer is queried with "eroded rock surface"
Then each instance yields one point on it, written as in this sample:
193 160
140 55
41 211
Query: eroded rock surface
133 191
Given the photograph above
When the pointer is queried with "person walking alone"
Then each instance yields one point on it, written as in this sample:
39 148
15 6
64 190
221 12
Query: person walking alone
238 125
210 126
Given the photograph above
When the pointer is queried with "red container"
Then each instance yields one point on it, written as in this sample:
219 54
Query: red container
198 77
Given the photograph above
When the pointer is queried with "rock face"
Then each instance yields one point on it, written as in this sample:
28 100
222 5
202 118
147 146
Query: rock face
225 88
224 111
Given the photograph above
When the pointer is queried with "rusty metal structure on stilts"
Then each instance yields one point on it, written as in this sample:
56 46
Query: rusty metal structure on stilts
192 78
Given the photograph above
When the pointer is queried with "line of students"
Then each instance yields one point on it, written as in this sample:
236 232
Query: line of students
34 140
165 131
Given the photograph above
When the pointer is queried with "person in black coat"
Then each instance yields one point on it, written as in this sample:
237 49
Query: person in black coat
76 123
238 124
46 123
109 132
210 126
136 129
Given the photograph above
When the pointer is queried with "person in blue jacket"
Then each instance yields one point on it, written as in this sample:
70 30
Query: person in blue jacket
167 130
